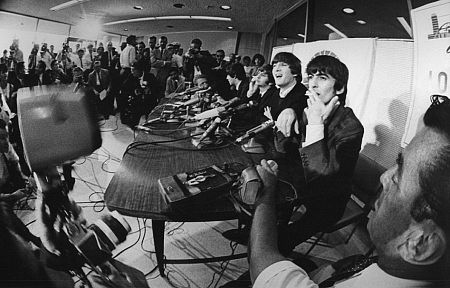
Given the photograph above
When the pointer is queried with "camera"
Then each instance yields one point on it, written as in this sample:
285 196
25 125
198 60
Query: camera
96 242
193 51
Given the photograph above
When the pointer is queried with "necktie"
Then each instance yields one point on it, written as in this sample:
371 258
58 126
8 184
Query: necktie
81 63
109 58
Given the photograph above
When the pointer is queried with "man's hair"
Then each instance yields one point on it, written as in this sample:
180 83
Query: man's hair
247 58
294 63
197 41
221 51
152 37
41 64
267 68
434 175
141 43
236 70
331 65
130 39
260 57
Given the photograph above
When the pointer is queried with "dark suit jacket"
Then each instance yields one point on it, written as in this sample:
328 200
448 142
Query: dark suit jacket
107 63
328 165
147 98
33 80
204 61
105 80
295 99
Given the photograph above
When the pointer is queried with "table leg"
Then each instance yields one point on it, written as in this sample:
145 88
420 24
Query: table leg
158 239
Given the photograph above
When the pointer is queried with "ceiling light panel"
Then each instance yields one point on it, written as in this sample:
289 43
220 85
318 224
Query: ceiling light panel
67 4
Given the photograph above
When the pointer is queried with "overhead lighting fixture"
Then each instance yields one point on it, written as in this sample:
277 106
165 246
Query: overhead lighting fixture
405 25
225 7
211 18
362 22
285 39
168 18
230 27
171 17
67 5
178 5
334 29
348 10
125 29
301 35
138 7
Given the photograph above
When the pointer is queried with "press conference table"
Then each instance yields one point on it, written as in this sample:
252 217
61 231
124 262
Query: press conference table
133 190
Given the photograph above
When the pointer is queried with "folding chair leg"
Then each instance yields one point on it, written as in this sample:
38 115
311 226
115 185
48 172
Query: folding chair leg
315 243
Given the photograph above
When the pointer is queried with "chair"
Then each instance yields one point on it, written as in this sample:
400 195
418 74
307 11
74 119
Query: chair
365 188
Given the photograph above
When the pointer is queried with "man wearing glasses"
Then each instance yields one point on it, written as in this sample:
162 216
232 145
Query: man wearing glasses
410 224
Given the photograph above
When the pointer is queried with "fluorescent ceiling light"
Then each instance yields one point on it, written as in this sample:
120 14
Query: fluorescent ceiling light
130 21
167 18
405 25
211 18
67 4
334 29
230 27
225 7
362 22
301 35
171 17
348 10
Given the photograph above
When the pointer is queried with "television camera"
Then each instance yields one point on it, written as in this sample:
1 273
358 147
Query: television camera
58 125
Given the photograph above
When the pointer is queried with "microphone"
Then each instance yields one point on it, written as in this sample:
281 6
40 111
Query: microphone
222 111
195 100
190 90
258 129
232 102
238 108
143 128
212 127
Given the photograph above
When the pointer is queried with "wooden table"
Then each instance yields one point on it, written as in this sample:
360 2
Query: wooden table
133 190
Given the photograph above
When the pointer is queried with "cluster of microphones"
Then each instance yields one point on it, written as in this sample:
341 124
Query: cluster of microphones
211 119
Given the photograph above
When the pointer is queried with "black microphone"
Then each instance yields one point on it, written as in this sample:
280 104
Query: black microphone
258 129
143 128
237 108
212 127
232 102
195 100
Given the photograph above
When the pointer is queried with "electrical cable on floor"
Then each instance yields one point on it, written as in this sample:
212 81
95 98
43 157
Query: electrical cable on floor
171 232
143 238
112 129
137 241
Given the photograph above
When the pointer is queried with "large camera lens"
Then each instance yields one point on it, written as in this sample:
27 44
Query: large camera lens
112 229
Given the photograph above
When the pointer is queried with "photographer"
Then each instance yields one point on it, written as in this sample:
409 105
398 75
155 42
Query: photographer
140 94
197 61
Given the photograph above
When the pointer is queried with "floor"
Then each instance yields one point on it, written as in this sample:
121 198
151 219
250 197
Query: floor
182 240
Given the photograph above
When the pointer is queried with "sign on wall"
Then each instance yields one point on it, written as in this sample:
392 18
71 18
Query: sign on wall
431 24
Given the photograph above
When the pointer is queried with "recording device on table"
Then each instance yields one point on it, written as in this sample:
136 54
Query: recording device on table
199 188
58 125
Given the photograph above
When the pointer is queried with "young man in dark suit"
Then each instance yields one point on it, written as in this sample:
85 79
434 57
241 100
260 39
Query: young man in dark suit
320 159
99 82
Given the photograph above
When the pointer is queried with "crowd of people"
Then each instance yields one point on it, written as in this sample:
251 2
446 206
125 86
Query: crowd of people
315 145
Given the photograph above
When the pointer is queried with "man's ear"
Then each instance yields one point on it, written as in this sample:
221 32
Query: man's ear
340 91
423 243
